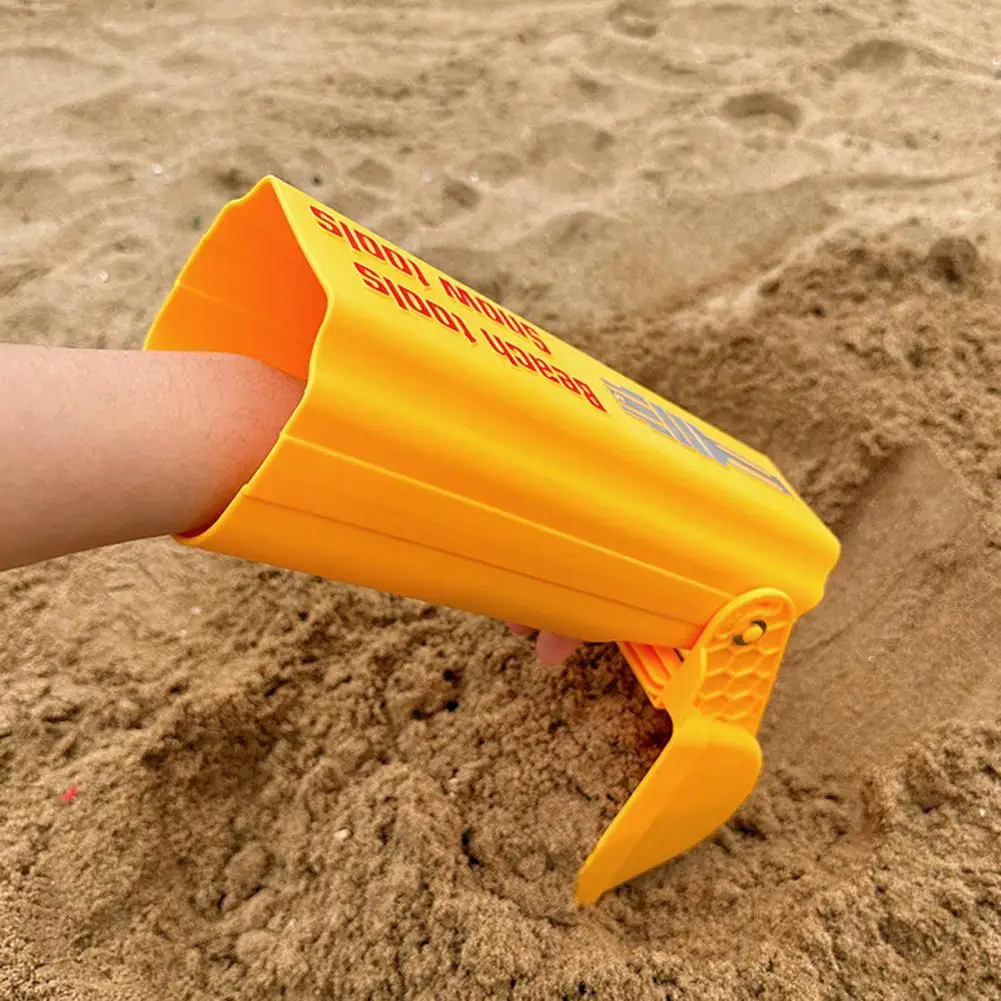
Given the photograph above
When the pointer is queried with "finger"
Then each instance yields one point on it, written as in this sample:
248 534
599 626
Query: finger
520 630
551 648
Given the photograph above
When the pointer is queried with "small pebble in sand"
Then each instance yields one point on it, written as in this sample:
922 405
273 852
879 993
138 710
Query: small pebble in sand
126 714
157 168
102 276
342 835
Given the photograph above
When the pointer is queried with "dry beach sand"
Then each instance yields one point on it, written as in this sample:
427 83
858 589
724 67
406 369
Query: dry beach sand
782 217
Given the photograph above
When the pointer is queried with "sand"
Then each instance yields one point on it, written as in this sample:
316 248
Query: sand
219 780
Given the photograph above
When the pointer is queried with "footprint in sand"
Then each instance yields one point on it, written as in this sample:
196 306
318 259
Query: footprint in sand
634 18
763 109
447 199
373 173
233 180
14 276
571 137
459 196
23 190
496 167
587 86
571 153
875 55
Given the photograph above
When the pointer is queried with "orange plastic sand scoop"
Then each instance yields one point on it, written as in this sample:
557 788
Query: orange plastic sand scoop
448 450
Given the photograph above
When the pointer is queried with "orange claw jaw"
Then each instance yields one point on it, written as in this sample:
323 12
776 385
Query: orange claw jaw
696 784
715 695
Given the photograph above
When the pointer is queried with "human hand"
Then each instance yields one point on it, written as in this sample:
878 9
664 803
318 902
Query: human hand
550 648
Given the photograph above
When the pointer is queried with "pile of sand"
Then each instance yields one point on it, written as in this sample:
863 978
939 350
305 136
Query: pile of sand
223 781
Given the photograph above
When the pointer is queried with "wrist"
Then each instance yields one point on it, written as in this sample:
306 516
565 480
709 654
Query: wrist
230 411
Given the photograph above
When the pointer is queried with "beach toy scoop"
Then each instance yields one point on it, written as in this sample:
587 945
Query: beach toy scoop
447 449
